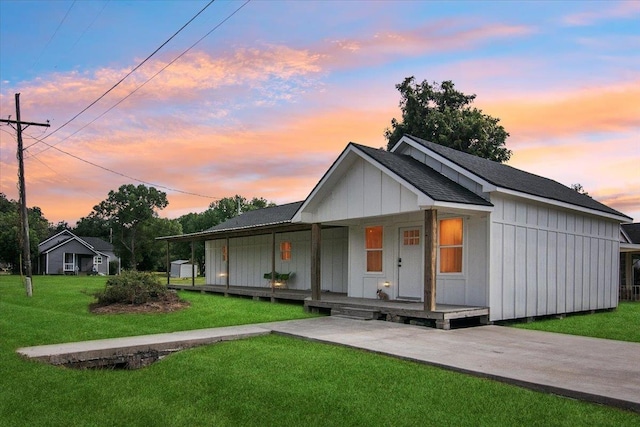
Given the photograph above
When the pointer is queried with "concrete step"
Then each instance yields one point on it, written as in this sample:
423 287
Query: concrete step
356 313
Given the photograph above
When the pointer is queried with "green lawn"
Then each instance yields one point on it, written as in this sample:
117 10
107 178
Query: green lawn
622 324
270 380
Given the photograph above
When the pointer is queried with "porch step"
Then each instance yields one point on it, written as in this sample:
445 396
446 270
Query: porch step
356 313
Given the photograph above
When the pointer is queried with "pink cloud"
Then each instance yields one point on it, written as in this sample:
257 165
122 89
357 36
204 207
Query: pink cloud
612 10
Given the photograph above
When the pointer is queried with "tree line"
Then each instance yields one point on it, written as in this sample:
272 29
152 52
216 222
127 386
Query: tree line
128 218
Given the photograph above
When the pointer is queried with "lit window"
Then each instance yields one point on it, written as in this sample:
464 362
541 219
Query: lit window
373 246
411 237
224 253
451 245
285 251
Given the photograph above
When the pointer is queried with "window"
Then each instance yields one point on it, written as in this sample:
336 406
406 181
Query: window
285 251
373 246
411 237
451 245
97 259
224 253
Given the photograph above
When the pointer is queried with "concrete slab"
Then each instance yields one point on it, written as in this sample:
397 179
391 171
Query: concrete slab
115 349
591 369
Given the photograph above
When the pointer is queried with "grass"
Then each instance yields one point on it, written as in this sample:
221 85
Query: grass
622 324
264 381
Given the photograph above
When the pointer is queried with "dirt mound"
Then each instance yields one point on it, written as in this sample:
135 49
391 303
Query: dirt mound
171 302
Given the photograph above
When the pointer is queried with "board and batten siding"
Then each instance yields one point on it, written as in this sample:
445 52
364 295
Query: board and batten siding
471 286
250 259
364 191
546 260
467 288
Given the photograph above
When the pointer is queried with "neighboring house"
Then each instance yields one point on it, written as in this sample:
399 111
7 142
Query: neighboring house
182 269
66 253
428 223
630 262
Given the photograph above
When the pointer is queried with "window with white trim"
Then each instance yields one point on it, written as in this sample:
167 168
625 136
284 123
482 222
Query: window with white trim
373 247
97 259
450 245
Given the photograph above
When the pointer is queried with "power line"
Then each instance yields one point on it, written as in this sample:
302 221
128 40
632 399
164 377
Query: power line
142 85
127 75
95 18
55 32
122 174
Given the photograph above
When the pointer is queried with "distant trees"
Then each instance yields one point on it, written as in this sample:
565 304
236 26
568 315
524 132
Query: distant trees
129 219
441 114
11 236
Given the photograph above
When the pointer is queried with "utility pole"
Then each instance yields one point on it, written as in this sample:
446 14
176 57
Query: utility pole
26 249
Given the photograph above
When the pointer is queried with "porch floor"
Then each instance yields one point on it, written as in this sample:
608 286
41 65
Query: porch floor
397 310
400 311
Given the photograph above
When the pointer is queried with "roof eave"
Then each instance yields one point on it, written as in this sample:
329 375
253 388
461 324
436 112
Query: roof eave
621 217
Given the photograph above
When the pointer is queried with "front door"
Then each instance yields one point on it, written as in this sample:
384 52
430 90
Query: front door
410 278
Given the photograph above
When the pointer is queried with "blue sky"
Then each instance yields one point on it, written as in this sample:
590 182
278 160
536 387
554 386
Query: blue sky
265 103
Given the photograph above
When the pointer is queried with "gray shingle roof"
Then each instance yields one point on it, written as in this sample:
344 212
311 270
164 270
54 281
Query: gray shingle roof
633 231
424 178
281 214
511 178
98 243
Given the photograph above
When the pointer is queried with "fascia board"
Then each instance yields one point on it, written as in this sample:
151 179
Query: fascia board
629 247
76 238
56 235
297 217
460 206
565 205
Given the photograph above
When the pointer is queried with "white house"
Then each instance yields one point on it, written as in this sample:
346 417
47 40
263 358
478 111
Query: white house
429 223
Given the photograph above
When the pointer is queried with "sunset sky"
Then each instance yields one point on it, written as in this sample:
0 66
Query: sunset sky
265 102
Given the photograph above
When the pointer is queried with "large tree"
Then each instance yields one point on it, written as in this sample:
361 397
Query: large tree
441 114
128 212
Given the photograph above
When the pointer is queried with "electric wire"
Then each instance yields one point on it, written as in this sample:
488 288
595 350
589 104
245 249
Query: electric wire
95 18
175 190
55 32
141 85
127 75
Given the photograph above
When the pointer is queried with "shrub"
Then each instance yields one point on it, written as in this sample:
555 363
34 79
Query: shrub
132 287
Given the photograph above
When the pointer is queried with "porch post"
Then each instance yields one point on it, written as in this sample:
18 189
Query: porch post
227 264
168 265
629 277
193 268
273 261
316 237
430 251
